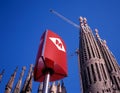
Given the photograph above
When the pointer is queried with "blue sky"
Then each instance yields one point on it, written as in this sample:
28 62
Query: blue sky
22 23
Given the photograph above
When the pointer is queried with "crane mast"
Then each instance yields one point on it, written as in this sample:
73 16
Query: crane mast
64 18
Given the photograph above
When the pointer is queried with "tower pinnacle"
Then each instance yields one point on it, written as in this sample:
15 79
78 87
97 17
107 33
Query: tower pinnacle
85 20
96 32
1 75
18 85
40 88
28 79
59 89
9 85
81 19
53 88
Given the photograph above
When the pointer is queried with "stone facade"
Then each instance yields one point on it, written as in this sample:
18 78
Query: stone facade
99 69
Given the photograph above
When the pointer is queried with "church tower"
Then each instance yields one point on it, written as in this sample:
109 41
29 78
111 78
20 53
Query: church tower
111 64
94 74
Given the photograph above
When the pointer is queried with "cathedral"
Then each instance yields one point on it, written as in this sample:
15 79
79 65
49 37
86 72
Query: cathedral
99 70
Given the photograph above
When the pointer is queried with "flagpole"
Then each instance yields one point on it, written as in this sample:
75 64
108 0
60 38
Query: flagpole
46 82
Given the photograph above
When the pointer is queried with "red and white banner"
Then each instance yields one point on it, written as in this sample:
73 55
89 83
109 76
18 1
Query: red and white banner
52 56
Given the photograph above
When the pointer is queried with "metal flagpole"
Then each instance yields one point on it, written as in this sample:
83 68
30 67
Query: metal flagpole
46 82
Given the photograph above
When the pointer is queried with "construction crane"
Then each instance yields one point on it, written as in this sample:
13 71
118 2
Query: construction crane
77 51
64 18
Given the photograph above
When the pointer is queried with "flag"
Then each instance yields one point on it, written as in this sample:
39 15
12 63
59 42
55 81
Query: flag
51 56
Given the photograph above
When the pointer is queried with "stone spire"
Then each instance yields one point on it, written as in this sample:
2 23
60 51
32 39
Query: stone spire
93 50
59 89
97 35
9 85
18 85
29 85
53 88
63 87
111 63
28 79
95 78
40 88
1 75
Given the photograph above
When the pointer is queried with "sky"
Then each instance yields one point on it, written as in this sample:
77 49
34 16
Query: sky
22 22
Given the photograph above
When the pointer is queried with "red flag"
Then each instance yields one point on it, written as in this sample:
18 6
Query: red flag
52 56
